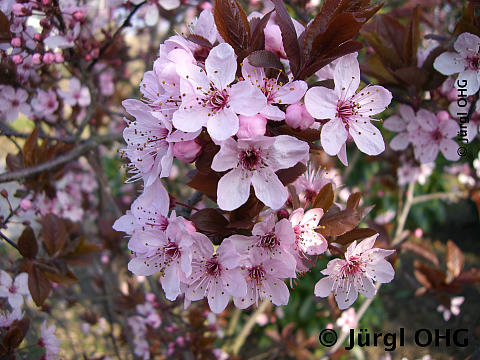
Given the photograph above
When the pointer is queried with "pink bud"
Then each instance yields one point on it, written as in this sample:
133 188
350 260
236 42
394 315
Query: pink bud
48 58
25 204
37 59
443 115
59 58
186 151
17 59
46 2
88 57
206 6
297 117
16 42
37 37
78 15
95 52
251 126
418 233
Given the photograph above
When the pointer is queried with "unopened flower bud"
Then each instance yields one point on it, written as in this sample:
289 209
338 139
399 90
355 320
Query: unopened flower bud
186 151
16 42
37 37
48 58
59 58
37 59
78 15
282 214
17 59
297 117
25 204
251 126
46 2
4 193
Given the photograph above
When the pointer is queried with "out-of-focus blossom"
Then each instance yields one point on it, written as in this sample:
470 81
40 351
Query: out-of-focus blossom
49 341
8 317
77 94
455 304
12 102
348 320
45 104
14 290
297 117
404 123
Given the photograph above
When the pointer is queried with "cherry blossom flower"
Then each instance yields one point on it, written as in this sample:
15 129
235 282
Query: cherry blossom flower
215 276
348 320
313 180
404 123
14 290
209 99
13 102
455 304
150 314
45 104
349 112
275 93
265 280
168 252
77 94
435 134
307 240
7 318
49 341
347 277
269 239
465 61
254 161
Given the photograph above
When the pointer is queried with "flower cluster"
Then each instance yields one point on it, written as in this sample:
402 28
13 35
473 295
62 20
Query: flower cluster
202 103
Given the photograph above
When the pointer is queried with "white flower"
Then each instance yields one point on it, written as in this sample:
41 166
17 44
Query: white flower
14 290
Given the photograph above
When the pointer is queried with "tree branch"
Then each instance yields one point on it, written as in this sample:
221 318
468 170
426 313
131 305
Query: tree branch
78 151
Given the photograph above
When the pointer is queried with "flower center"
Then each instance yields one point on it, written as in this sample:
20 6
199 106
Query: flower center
250 159
213 267
437 135
218 100
256 273
269 240
12 289
171 250
352 267
473 62
15 103
345 110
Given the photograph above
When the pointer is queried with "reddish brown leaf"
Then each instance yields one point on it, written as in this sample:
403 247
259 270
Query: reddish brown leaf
471 276
293 196
210 222
83 253
5 34
412 39
339 223
205 183
257 42
288 176
54 233
266 59
199 40
38 285
421 249
247 211
355 234
289 36
455 261
30 149
232 24
324 199
67 278
354 200
27 243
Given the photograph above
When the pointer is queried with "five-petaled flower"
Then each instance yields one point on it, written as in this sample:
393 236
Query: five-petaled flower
14 290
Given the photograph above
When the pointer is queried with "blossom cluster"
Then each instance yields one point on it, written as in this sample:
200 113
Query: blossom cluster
199 92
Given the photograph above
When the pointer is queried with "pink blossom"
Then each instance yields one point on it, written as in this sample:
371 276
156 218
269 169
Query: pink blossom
49 341
273 40
313 180
186 151
348 112
215 276
465 61
168 252
7 318
12 102
251 126
308 241
275 93
105 80
347 277
270 240
348 320
265 280
404 123
254 161
455 304
435 134
209 99
151 315
77 94
45 104
14 290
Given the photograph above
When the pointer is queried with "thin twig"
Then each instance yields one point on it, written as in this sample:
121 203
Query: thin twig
78 151
9 241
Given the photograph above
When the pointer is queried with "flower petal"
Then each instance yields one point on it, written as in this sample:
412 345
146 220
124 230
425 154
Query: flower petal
321 102
333 136
221 65
233 190
269 189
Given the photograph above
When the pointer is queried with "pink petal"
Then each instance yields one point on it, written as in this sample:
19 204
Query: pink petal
321 103
346 294
400 141
449 128
312 218
296 216
333 136
427 120
470 78
223 124
21 283
291 93
372 100
287 151
171 282
277 291
395 123
467 43
346 76
253 74
217 297
227 157
246 99
139 267
449 63
272 112
382 271
269 189
233 190
323 287
221 65
449 149
182 119
284 231
366 287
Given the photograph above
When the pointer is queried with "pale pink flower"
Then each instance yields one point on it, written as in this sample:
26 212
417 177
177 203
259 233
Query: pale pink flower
270 240
215 276
455 304
403 123
347 277
349 112
348 320
297 117
465 61
273 40
12 102
63 41
209 99
77 94
7 318
14 290
168 252
265 280
313 180
436 133
187 151
151 315
45 104
254 161
290 93
251 126
49 341
308 241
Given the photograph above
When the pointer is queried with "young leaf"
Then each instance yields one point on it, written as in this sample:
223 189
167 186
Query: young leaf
210 222
355 234
412 39
288 176
265 59
27 243
54 233
455 261
339 223
232 24
38 285
324 199
257 26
